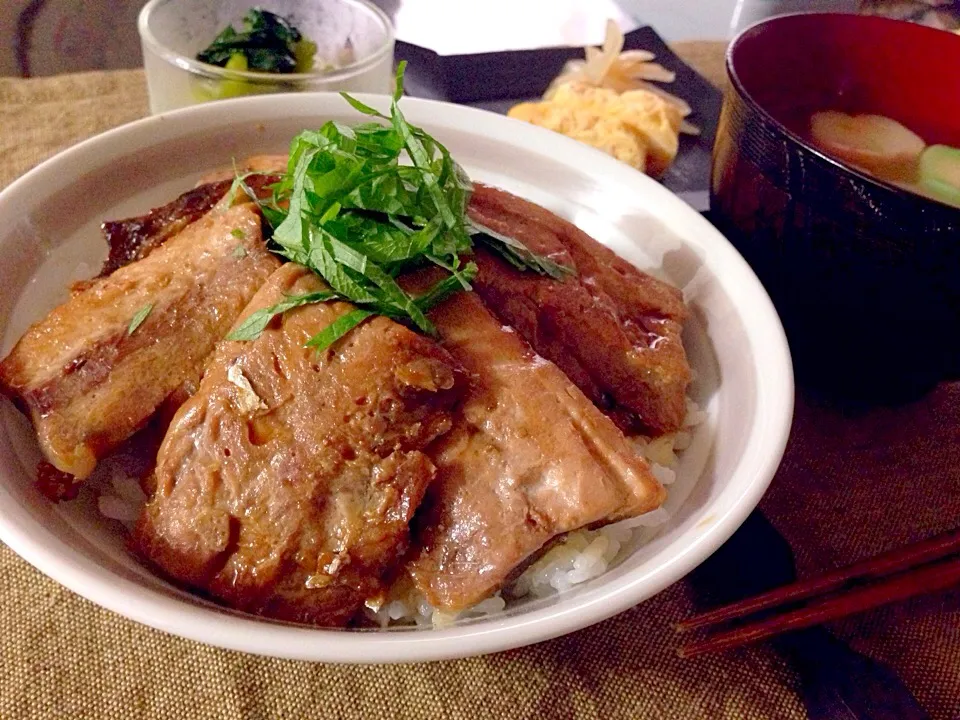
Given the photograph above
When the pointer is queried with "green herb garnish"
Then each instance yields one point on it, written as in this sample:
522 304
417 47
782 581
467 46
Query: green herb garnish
338 328
517 254
361 205
239 251
268 43
238 233
253 326
138 317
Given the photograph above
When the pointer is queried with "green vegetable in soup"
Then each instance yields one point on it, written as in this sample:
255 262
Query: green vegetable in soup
940 173
268 43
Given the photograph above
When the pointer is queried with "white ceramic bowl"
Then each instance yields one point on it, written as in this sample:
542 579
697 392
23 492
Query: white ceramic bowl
49 222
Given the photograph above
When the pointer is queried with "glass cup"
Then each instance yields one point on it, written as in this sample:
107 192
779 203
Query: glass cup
354 35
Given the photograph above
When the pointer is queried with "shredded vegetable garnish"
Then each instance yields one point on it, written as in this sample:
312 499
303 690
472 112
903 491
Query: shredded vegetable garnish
361 204
253 326
138 318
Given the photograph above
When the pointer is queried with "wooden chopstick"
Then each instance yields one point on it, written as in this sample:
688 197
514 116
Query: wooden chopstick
899 587
888 563
921 567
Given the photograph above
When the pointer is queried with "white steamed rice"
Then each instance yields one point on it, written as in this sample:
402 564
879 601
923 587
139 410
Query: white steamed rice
124 498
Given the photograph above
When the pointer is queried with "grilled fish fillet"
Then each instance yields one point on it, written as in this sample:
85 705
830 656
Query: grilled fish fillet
285 485
615 331
88 383
529 458
134 238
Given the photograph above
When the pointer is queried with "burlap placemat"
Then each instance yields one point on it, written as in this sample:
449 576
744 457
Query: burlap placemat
848 488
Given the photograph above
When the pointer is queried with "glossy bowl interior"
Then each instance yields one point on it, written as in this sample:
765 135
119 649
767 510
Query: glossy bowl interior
865 275
49 222
795 65
172 32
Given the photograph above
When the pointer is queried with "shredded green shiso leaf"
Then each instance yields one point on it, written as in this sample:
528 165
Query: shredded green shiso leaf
360 205
138 318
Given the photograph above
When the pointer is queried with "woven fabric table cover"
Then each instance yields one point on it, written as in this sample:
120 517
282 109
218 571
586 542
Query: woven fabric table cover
849 487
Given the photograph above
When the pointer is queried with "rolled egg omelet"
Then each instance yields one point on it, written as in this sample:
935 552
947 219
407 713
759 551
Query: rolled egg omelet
637 127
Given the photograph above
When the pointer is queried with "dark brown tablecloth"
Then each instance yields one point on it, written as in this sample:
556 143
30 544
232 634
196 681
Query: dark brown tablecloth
849 487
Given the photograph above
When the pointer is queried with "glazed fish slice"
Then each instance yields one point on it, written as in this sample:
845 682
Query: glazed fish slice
529 458
97 368
615 331
285 485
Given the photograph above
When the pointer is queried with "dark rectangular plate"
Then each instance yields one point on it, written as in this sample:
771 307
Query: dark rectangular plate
498 80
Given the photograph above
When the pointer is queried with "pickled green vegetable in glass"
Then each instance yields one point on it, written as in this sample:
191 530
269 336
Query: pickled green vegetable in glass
268 43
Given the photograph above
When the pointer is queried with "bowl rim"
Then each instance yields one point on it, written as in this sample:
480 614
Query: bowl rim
876 184
772 378
215 72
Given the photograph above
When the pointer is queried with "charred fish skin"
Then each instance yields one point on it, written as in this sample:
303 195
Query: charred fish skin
614 330
286 484
134 238
96 369
529 458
